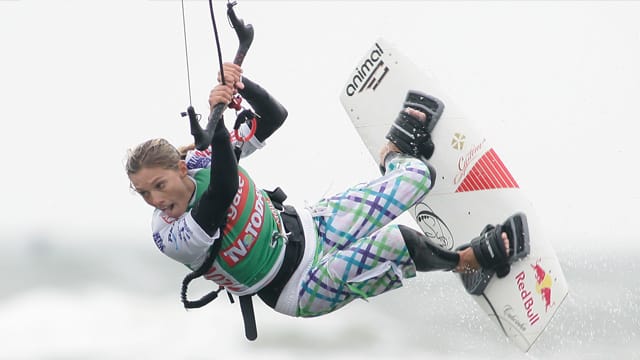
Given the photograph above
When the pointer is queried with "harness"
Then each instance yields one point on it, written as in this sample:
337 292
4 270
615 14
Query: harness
294 250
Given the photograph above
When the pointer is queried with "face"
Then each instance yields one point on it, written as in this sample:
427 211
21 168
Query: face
166 189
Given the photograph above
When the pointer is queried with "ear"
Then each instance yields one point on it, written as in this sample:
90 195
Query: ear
182 168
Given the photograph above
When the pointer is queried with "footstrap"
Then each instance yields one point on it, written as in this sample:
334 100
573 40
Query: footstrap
427 104
517 229
489 249
411 135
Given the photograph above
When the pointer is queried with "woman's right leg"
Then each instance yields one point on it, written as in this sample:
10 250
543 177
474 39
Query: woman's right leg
366 208
359 256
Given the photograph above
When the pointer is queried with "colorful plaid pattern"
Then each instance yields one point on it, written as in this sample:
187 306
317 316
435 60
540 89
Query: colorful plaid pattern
358 256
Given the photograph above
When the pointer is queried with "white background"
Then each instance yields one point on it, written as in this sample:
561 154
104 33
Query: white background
557 83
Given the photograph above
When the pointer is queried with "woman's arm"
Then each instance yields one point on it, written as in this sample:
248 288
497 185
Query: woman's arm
211 210
272 113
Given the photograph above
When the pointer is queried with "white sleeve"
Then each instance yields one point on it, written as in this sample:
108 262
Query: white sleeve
249 146
182 239
198 159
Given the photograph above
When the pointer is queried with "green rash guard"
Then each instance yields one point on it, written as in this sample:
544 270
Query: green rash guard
252 247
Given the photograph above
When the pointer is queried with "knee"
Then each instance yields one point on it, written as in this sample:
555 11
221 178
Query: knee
414 170
431 175
393 237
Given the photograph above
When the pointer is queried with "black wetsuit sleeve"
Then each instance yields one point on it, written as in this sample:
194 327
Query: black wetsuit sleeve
272 113
211 210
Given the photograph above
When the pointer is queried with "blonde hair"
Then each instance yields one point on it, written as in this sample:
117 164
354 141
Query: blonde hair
184 149
152 153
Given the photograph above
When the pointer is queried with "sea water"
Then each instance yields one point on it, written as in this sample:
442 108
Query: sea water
65 299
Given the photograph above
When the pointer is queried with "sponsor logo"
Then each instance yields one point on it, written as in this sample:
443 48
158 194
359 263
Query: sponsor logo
238 199
158 240
199 159
184 232
241 246
179 233
216 276
369 74
544 283
458 141
510 314
433 226
527 299
488 172
465 160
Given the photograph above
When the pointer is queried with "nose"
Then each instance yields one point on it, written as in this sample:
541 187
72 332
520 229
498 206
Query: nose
155 200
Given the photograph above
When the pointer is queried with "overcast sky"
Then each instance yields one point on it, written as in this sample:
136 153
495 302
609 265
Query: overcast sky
557 83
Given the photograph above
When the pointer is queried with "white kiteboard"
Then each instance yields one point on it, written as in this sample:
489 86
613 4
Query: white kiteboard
473 188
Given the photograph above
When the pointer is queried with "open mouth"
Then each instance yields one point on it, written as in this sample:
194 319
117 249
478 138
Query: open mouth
167 209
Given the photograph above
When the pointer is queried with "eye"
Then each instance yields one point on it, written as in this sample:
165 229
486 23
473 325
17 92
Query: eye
161 185
144 194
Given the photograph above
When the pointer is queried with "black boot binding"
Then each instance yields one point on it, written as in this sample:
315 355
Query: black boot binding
490 253
411 135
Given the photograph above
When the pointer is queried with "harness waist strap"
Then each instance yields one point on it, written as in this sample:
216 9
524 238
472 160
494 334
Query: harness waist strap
292 256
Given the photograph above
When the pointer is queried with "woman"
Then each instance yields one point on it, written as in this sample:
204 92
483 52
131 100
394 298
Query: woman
302 262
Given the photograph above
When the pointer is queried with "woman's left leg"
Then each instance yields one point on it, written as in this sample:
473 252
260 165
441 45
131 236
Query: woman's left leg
367 267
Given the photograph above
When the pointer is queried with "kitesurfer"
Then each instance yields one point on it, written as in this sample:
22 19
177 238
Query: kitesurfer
300 261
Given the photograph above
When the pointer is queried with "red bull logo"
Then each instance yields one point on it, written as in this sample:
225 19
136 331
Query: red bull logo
527 299
544 282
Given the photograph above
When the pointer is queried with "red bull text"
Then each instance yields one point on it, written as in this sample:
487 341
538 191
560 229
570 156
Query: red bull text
544 282
527 299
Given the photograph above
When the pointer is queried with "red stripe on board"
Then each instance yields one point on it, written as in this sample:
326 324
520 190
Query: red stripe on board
493 174
502 170
488 173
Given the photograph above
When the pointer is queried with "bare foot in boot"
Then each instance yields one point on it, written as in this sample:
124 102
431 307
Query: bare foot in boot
390 147
468 261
